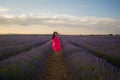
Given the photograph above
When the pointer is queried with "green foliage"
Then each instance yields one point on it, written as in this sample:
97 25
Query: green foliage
12 72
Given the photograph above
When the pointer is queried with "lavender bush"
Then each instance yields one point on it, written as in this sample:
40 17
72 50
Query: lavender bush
10 50
27 65
84 66
106 47
7 40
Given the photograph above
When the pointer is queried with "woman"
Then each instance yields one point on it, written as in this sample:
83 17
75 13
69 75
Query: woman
56 45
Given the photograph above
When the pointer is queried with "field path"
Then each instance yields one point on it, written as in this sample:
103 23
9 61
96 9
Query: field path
55 68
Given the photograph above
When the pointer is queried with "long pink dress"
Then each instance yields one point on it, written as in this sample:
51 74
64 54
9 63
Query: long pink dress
56 45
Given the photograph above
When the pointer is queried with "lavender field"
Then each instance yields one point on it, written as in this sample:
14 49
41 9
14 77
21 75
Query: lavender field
26 57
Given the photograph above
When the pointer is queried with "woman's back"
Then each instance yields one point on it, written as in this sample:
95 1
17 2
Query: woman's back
56 44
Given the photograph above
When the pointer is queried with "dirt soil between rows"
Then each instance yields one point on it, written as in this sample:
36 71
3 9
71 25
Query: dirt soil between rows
56 68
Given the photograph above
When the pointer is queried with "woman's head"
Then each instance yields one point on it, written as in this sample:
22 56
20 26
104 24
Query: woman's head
54 34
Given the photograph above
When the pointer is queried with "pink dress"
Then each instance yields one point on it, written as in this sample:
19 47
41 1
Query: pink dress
56 45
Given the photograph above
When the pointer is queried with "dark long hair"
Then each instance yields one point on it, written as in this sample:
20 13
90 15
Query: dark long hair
54 34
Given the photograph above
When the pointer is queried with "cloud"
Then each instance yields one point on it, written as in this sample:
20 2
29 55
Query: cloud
3 9
57 20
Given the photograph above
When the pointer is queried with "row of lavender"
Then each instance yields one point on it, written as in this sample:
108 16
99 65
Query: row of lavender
106 47
110 44
84 66
18 44
6 40
26 66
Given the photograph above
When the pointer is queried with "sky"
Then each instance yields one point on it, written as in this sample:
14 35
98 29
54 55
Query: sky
63 16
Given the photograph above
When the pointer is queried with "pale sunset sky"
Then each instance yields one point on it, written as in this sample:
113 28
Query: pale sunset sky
63 16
